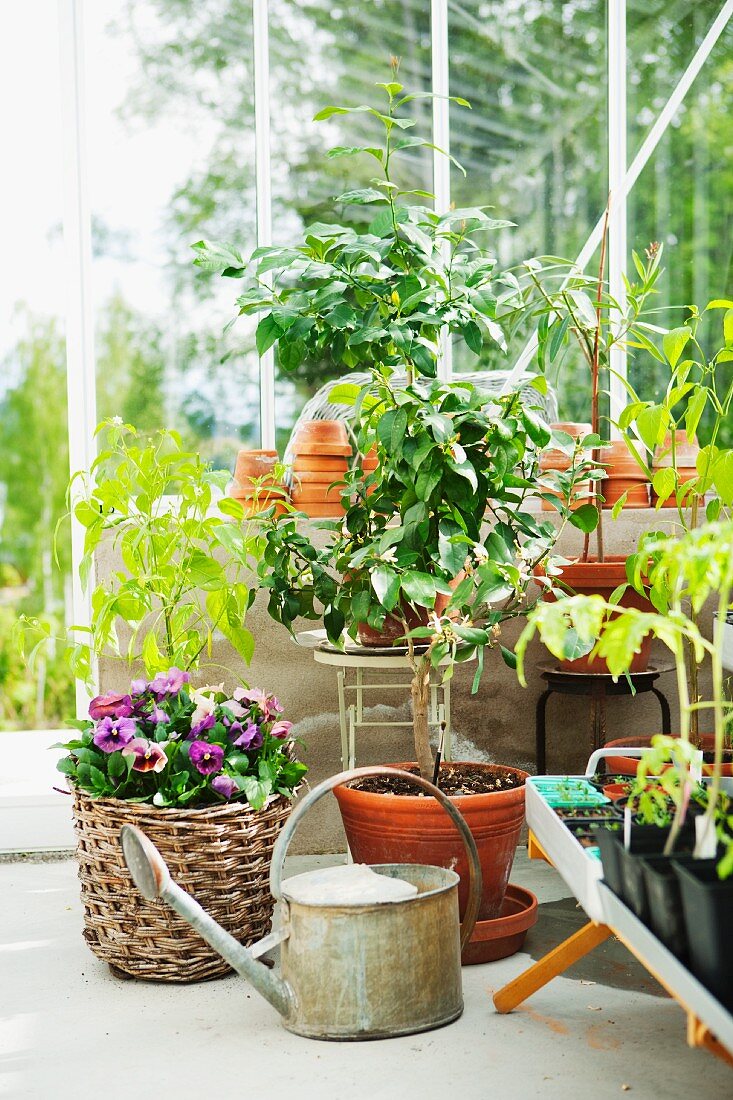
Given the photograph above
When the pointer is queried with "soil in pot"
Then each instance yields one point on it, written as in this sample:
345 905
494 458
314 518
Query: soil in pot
587 578
399 828
707 903
587 813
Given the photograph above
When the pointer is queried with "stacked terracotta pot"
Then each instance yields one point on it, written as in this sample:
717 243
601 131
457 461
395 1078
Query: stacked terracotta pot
322 452
623 475
553 459
685 460
255 484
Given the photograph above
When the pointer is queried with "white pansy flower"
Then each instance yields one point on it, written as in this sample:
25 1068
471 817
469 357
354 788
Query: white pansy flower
205 702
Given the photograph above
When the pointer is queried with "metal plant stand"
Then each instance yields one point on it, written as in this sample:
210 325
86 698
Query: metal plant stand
356 667
598 686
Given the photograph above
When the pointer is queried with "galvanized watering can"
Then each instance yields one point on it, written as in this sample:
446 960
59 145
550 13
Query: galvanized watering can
348 970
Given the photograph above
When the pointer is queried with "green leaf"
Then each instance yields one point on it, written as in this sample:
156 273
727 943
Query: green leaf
585 518
694 411
723 477
419 588
674 343
268 332
472 335
204 571
558 335
362 196
728 327
652 424
510 658
346 393
619 505
664 484
352 151
386 585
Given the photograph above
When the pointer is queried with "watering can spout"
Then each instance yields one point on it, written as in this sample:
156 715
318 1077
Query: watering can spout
153 880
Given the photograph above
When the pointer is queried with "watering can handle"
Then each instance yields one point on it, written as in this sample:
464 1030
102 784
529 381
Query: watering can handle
474 866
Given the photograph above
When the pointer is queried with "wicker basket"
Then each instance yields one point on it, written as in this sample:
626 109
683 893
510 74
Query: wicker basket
219 854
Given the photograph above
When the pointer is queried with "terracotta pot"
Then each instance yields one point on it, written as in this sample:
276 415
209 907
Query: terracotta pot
316 477
623 476
392 631
254 464
334 464
314 494
335 450
319 510
410 829
685 453
503 936
626 765
322 431
370 461
594 577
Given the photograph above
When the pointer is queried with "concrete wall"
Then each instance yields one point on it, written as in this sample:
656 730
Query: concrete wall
496 724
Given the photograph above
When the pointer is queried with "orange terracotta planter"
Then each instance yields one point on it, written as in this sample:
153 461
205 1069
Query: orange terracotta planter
317 477
314 494
410 829
332 450
324 463
626 765
254 464
322 432
623 476
594 577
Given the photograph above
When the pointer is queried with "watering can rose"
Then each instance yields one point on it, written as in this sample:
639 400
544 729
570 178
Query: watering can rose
167 743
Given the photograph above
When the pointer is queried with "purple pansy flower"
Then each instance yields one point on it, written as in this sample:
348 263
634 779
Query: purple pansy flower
206 723
114 733
281 729
149 757
158 715
246 737
224 786
235 709
110 705
138 687
206 758
170 682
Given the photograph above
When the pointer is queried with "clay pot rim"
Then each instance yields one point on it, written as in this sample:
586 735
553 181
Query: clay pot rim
333 431
612 563
460 800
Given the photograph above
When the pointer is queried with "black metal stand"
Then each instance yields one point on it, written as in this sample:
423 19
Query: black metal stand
598 686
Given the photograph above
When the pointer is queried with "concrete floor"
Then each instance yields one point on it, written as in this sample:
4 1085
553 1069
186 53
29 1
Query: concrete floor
70 1029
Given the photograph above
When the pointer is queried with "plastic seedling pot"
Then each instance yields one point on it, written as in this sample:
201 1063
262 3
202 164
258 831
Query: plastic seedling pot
666 917
707 903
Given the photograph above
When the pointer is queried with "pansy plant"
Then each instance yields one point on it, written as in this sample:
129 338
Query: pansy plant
169 744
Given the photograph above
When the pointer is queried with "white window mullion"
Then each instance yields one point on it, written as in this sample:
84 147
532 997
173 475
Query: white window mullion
638 163
80 360
617 224
263 185
441 138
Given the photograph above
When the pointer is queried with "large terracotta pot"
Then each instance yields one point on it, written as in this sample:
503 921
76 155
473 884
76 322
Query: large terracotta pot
623 475
626 765
409 829
588 578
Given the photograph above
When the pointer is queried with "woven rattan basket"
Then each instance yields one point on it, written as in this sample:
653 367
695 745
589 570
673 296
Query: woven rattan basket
219 854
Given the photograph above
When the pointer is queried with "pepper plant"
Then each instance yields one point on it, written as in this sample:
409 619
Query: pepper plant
183 566
692 569
699 384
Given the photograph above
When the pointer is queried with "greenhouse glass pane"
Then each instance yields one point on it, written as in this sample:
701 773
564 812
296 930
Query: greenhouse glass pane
34 454
684 197
171 160
534 144
323 53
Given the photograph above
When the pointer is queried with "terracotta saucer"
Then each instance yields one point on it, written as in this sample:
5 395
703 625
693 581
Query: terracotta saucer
505 935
